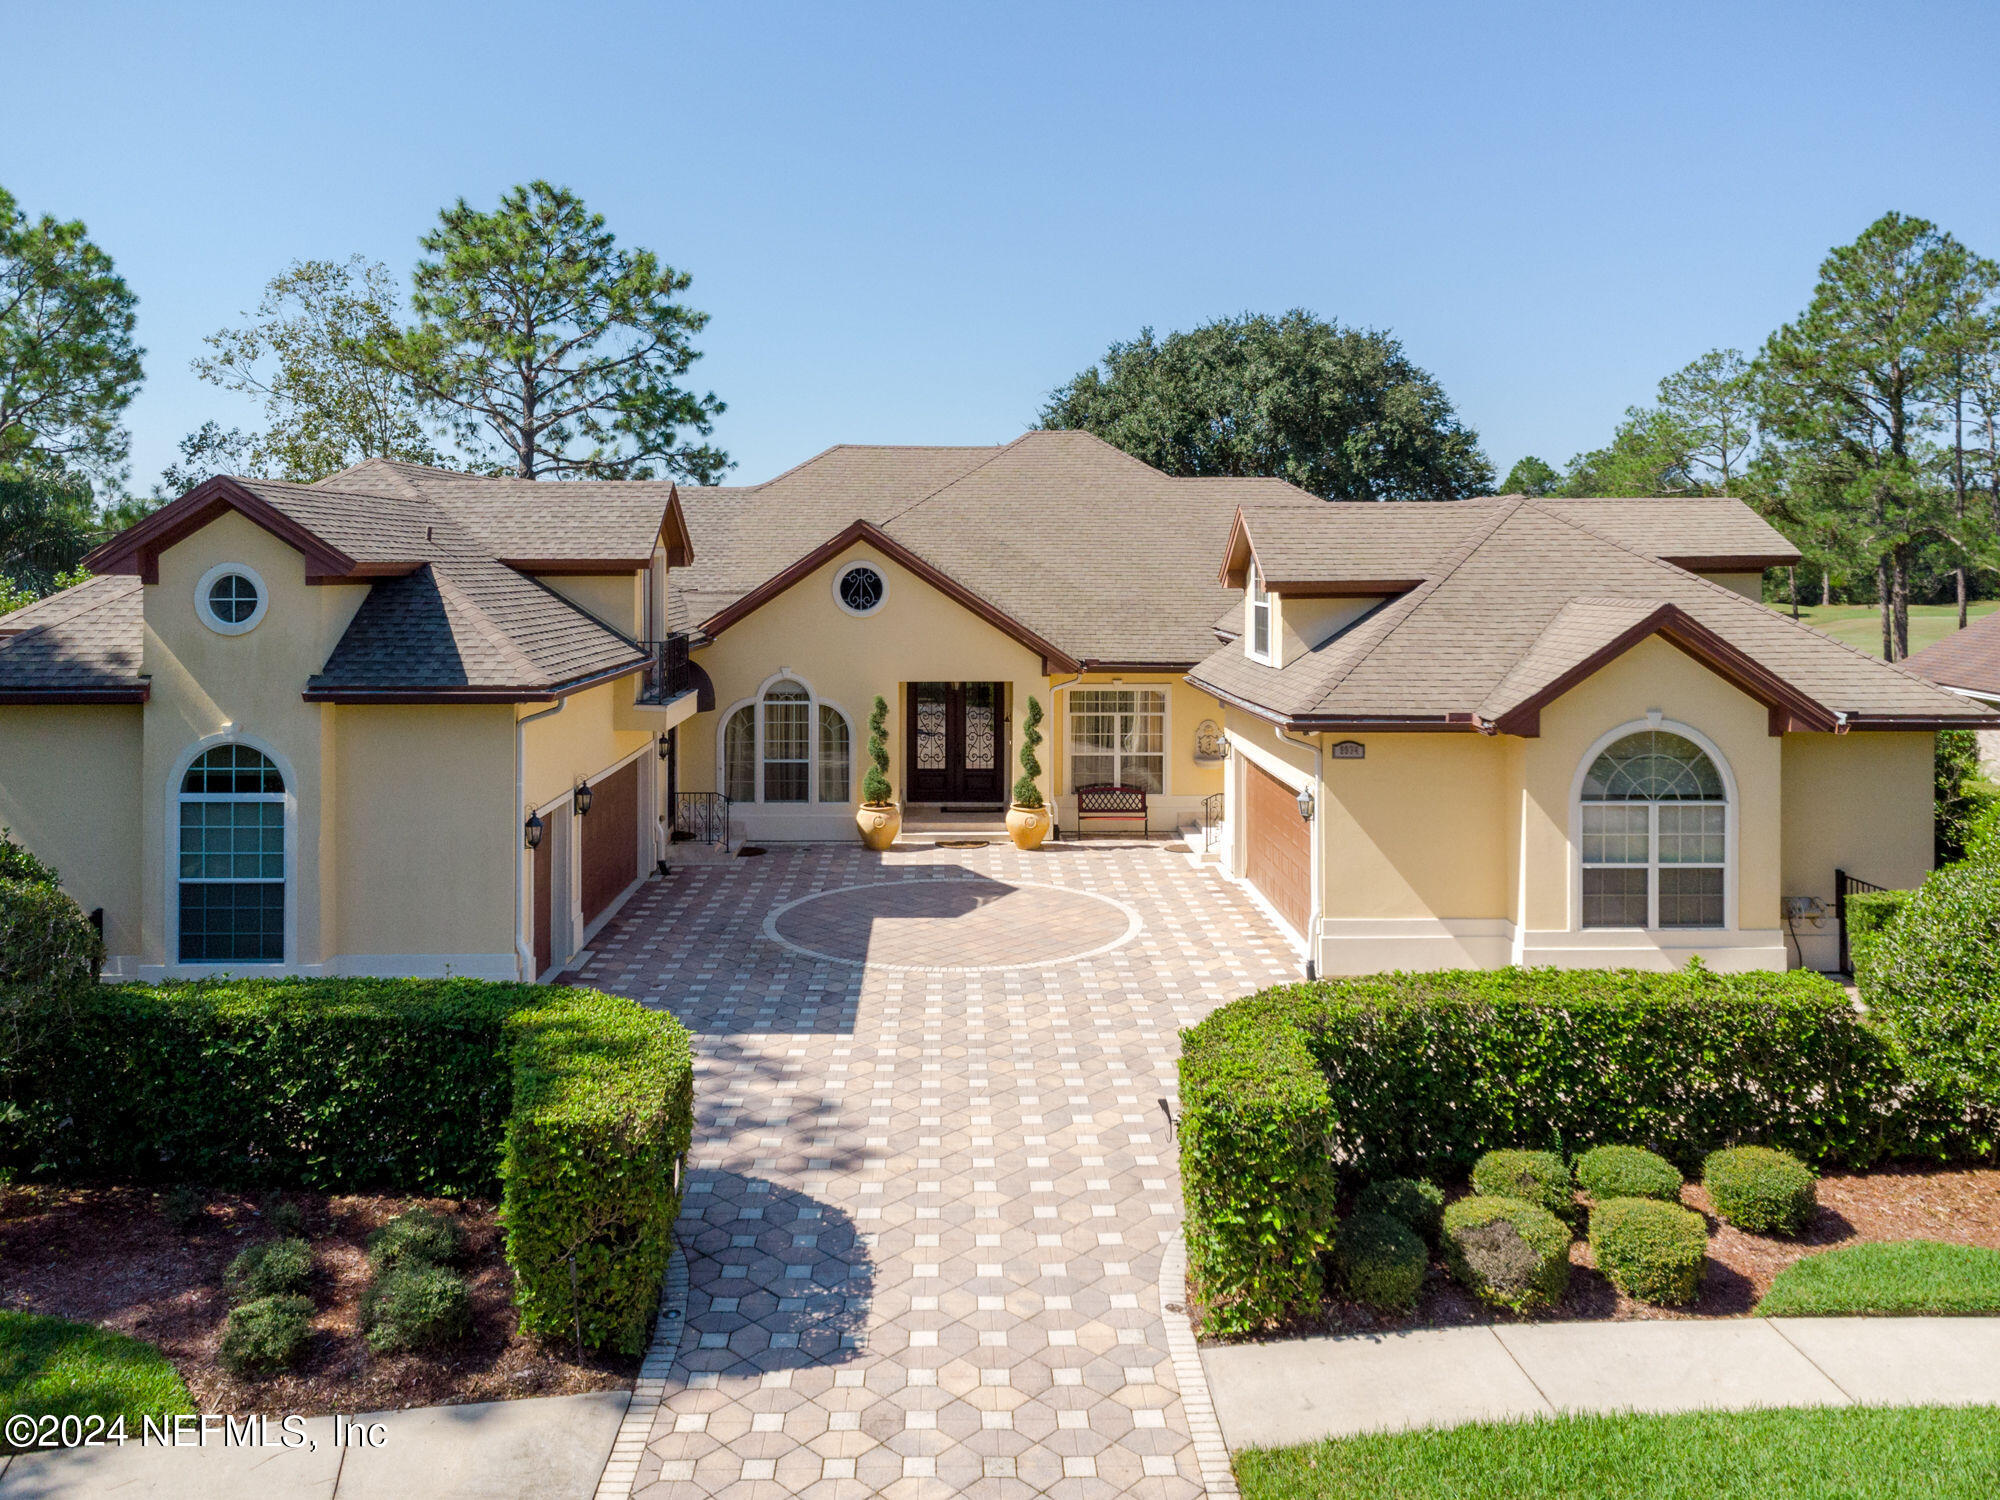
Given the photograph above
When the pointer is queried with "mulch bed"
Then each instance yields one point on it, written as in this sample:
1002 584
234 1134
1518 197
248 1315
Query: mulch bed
1891 1203
111 1256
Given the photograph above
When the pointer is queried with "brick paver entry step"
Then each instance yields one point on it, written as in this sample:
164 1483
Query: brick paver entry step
931 1172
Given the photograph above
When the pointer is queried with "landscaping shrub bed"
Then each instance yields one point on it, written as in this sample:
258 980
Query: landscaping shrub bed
1287 1093
571 1106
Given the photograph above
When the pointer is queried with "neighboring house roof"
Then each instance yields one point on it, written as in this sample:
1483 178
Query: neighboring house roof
1069 540
1968 660
1531 597
78 646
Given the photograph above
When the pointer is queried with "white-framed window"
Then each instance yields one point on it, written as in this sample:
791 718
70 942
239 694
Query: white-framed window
1654 826
1260 615
785 745
1118 737
860 587
230 598
231 874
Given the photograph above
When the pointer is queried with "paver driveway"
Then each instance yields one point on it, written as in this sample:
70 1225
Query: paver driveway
931 1174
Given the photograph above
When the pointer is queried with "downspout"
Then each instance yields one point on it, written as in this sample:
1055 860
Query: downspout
524 956
1055 719
1319 871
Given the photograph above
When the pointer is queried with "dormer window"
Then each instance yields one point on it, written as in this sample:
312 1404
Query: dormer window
1260 616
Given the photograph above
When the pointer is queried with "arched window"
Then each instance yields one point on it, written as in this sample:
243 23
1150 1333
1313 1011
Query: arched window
786 747
232 859
1655 835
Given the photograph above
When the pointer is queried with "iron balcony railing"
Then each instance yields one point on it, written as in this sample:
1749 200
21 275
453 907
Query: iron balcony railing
701 817
667 672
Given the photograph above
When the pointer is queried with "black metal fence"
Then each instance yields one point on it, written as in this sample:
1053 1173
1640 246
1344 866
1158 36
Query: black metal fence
1845 885
667 674
702 817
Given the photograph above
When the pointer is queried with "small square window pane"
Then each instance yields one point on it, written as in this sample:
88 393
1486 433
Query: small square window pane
1690 833
1614 898
1614 833
1690 897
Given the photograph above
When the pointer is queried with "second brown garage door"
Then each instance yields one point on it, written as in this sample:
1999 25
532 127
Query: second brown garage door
1277 845
610 840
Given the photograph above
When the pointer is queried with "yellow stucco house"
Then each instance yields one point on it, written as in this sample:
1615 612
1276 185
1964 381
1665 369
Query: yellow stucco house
407 721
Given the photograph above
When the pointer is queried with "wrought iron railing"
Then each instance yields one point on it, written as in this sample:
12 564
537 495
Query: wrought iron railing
668 674
702 817
1211 822
1845 885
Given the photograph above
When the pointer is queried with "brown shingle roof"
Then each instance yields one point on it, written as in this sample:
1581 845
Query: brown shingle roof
1494 619
82 643
1968 659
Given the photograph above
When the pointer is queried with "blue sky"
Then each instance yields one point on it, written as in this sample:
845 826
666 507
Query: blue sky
910 223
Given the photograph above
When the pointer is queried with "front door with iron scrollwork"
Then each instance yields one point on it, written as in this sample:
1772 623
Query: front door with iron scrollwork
955 752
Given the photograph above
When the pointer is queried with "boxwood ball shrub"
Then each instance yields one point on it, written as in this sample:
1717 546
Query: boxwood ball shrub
415 1306
571 1107
266 1335
1381 1261
421 1236
1509 1253
1417 1202
1761 1190
1650 1250
1538 1177
1289 1093
269 1268
1607 1172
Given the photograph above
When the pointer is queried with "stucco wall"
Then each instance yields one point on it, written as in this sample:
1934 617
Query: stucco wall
1749 585
618 599
1855 802
917 635
424 838
1305 620
69 791
210 686
1416 828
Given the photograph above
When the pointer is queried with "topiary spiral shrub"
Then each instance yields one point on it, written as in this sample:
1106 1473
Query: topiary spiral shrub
1650 1250
1761 1190
1506 1252
1537 1177
271 1268
875 788
1607 1172
1418 1203
1381 1261
1026 793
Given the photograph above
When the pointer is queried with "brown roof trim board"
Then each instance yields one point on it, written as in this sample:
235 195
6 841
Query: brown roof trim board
1734 563
13 697
137 549
1790 708
863 531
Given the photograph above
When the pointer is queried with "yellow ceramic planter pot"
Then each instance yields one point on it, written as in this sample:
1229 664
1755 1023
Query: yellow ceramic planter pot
879 825
1027 826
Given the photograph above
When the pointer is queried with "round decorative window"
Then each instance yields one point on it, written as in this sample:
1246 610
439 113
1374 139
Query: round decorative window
230 598
860 588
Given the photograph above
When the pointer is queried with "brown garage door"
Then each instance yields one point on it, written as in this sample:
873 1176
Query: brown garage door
1277 844
610 840
545 888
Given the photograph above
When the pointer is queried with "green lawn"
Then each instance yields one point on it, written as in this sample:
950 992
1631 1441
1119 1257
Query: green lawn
1860 625
54 1368
1922 1452
1909 1276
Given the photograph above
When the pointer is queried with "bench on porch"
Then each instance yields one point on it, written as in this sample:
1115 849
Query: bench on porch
1098 804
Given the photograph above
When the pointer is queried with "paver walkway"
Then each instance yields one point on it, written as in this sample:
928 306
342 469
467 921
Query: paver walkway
931 1174
1300 1390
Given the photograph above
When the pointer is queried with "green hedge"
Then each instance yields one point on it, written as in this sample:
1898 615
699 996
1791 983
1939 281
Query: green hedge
1868 914
569 1105
1285 1092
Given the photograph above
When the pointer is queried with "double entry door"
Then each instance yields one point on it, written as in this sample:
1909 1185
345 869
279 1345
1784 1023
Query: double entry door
955 753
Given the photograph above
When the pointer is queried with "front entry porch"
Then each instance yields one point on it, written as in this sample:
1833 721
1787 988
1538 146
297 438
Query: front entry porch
957 745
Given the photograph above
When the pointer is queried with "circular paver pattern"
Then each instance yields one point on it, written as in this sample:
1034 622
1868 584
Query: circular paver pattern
953 925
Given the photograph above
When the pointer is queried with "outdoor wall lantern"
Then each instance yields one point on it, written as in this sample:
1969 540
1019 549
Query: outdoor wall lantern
531 831
666 747
1306 803
583 799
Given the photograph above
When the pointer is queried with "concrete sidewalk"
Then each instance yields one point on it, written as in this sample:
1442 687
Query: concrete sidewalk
542 1448
1273 1395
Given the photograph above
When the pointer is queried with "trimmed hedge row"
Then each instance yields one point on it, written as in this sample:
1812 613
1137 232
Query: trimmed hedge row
1286 1092
570 1105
